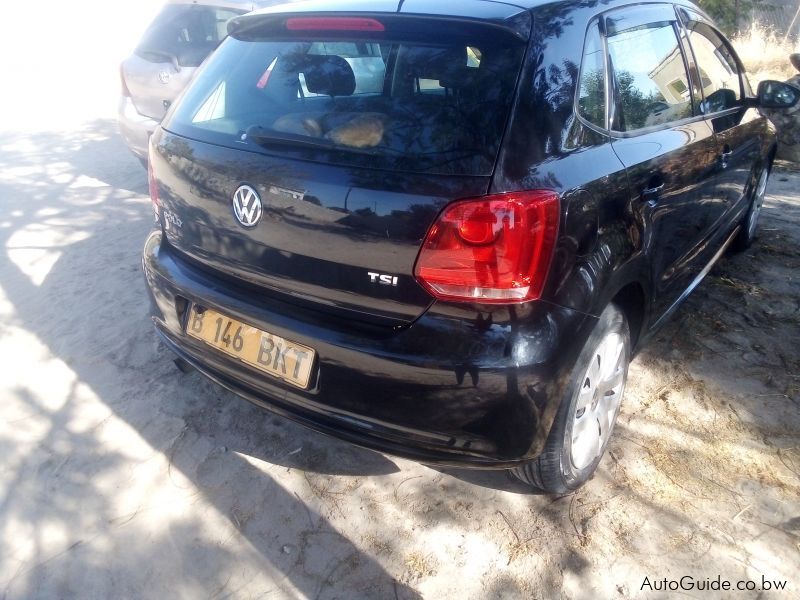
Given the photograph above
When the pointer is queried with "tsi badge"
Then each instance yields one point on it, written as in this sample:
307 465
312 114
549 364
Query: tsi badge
383 279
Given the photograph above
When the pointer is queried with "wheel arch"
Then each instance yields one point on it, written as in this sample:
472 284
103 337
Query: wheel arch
771 154
629 288
631 299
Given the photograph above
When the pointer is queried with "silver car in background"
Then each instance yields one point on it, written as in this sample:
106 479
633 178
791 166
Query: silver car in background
181 36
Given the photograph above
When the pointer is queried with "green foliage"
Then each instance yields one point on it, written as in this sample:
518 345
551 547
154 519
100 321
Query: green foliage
592 101
636 106
728 14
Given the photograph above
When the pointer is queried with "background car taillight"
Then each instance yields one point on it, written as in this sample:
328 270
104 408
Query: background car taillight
153 185
493 249
124 85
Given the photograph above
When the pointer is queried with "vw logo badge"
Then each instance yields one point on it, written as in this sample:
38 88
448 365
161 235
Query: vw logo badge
247 206
164 76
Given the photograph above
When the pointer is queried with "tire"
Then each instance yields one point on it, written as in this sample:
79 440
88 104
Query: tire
749 228
586 417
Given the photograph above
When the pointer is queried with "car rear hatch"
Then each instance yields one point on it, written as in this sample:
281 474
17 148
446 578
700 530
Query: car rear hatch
176 42
312 154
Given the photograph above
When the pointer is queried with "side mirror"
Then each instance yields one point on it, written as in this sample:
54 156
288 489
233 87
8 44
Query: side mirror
795 60
720 100
776 94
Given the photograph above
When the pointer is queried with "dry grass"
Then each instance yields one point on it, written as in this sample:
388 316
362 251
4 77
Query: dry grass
765 54
419 566
693 439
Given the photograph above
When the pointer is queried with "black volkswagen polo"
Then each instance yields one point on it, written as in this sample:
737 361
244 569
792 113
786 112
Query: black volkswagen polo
440 229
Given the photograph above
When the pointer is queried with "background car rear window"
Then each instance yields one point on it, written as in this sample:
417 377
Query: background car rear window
187 32
650 77
434 108
719 73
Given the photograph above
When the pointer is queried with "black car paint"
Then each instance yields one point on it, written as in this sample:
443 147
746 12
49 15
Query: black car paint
465 383
448 383
593 264
390 230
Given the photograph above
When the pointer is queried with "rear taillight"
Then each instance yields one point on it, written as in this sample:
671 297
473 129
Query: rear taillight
153 185
124 86
333 24
493 249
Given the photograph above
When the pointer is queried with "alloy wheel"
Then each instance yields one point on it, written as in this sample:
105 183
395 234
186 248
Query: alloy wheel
599 399
758 202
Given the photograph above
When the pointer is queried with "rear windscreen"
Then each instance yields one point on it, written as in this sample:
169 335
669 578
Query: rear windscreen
187 33
437 107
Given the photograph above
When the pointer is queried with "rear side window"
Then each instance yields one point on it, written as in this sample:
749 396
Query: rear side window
433 107
186 33
650 78
719 73
592 90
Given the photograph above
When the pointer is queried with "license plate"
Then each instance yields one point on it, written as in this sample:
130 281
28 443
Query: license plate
268 352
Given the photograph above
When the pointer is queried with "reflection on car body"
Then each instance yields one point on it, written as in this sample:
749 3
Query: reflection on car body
469 217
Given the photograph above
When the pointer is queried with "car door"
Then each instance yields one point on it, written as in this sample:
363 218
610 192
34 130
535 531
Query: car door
736 126
668 149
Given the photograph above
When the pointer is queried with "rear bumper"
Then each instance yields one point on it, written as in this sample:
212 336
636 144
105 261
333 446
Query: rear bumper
458 386
135 128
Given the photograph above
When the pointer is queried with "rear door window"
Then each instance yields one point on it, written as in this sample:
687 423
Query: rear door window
437 107
186 33
719 72
650 78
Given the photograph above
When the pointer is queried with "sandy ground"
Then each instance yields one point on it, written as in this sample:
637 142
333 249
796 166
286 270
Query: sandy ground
122 477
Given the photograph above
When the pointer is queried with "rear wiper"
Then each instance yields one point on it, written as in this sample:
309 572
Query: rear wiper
262 135
161 54
270 137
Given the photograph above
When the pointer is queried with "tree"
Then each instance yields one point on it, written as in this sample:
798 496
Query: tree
728 14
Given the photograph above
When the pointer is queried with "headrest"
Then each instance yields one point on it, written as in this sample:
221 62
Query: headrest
436 63
328 75
461 77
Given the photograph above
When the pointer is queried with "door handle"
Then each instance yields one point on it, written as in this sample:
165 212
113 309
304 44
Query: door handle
651 194
726 154
653 191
